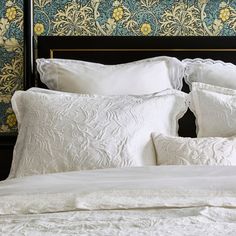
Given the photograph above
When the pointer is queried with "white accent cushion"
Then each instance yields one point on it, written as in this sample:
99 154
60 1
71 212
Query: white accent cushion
210 71
64 132
215 110
194 151
139 77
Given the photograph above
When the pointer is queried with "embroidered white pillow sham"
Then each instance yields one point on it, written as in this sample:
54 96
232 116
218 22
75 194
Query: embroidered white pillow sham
210 71
61 132
194 151
215 110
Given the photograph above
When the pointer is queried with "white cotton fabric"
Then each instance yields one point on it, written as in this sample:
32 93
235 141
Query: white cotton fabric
210 71
166 200
139 77
215 110
120 188
65 132
194 151
165 222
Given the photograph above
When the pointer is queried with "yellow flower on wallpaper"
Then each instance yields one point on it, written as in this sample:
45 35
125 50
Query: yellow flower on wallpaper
118 13
11 120
224 14
38 28
11 13
146 29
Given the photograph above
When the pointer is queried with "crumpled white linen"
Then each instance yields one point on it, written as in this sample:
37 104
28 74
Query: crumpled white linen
157 200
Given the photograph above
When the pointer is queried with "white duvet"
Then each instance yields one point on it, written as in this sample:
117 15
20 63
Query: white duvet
160 200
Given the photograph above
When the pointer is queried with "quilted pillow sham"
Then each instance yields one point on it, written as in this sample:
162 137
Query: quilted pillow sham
137 78
215 110
61 132
210 71
194 151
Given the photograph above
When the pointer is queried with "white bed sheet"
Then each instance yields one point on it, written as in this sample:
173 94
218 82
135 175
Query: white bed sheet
162 200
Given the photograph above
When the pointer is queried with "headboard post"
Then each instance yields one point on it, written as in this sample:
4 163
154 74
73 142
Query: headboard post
28 44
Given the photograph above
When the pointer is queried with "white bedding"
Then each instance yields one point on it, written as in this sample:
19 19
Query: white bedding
158 200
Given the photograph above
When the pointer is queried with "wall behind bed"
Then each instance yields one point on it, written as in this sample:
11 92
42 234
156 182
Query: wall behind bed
99 17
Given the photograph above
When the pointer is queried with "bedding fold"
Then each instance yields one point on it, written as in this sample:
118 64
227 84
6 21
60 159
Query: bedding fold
126 188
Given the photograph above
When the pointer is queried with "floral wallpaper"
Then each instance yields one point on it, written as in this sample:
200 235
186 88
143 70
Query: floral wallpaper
101 17
11 59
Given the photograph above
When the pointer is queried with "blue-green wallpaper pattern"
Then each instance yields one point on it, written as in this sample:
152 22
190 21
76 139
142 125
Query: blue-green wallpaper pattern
102 17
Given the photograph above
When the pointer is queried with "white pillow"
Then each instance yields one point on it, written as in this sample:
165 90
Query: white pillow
137 78
65 132
215 110
211 72
194 151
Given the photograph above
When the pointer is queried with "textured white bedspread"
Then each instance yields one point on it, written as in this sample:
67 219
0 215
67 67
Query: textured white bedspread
162 200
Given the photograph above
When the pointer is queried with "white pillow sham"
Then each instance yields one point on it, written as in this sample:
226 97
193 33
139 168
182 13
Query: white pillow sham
210 71
215 110
61 132
139 77
194 151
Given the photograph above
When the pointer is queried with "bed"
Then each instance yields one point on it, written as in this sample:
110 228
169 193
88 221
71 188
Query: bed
137 201
188 190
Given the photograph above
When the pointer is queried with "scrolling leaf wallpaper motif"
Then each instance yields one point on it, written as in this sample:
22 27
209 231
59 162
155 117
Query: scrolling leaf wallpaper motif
101 17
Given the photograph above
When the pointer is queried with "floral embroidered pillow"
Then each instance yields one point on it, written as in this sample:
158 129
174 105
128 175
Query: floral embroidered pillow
61 132
194 151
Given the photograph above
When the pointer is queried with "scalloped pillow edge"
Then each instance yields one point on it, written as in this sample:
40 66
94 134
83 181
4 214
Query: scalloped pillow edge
176 80
189 62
